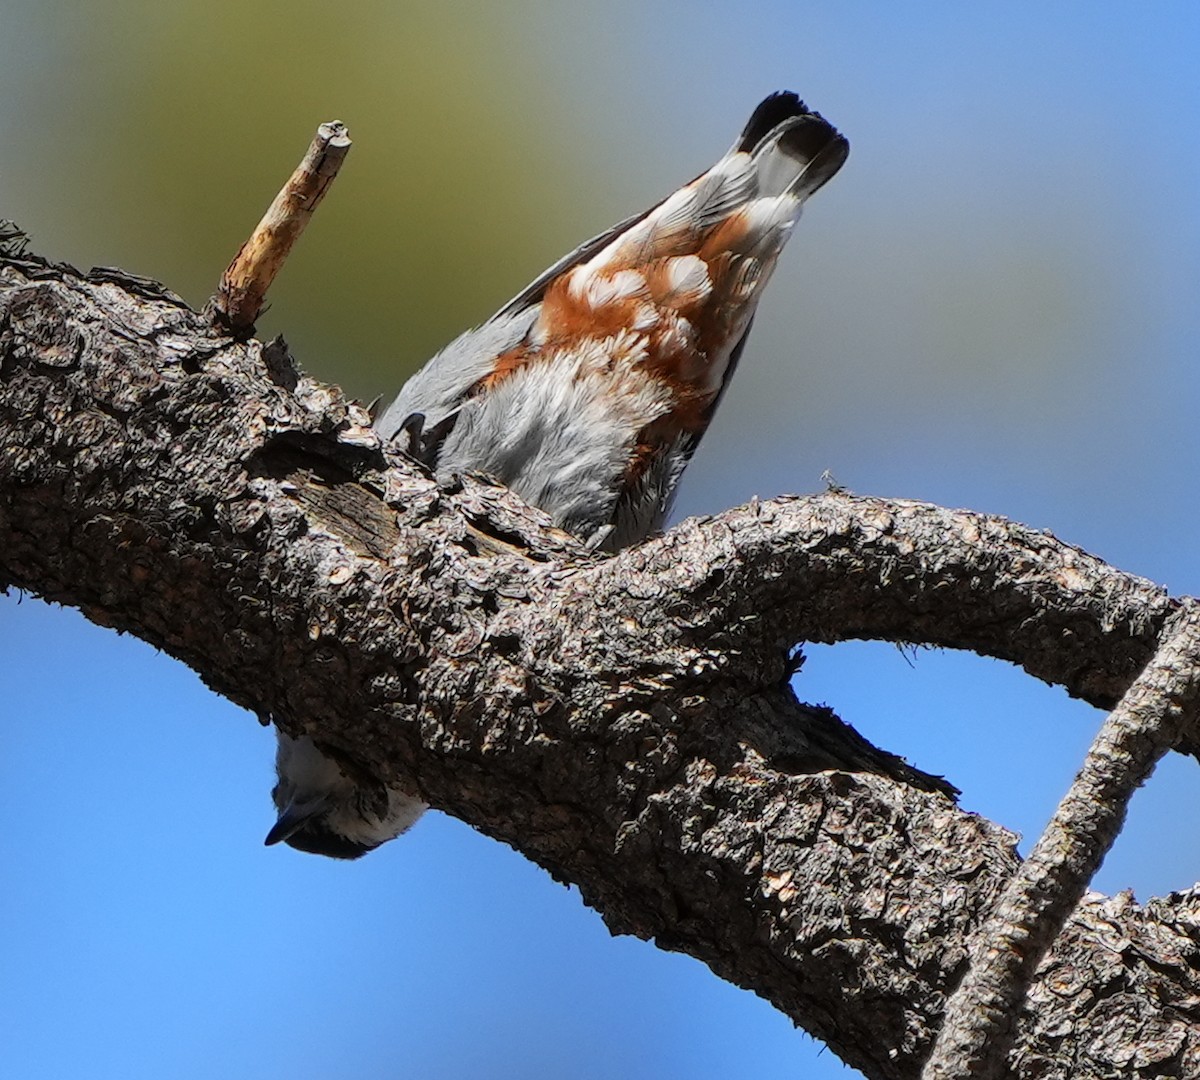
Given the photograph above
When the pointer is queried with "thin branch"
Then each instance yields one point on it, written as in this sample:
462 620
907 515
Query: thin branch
242 292
611 728
981 1016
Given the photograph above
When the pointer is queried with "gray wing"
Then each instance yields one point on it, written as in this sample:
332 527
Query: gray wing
441 387
536 289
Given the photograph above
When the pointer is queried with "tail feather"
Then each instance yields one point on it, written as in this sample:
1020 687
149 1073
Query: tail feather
726 227
797 155
784 132
772 111
785 150
815 145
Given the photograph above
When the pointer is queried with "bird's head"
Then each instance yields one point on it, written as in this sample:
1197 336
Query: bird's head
325 810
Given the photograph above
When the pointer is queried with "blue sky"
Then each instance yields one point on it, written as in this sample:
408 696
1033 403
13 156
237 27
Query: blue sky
992 306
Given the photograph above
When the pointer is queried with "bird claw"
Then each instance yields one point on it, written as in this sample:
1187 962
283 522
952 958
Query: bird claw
422 444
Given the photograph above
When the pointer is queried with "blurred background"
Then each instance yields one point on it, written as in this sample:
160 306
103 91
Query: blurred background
992 306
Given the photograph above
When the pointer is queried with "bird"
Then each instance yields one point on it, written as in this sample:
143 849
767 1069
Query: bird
587 394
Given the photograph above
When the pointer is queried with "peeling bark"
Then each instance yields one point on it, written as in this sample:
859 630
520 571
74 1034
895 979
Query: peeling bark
625 722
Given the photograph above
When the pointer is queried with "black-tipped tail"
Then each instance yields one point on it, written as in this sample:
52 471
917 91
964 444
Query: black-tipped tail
784 121
780 107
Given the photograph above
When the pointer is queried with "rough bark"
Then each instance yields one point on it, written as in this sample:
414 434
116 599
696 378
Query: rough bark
979 1028
624 722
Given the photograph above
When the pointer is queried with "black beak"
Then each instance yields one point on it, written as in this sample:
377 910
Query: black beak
293 817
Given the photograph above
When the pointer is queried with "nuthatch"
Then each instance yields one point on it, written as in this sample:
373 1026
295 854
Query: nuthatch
588 392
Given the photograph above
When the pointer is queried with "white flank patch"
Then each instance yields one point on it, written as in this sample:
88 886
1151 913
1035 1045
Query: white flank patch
598 290
687 279
646 317
628 283
678 336
579 281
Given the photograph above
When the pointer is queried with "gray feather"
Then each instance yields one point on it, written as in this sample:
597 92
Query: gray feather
441 385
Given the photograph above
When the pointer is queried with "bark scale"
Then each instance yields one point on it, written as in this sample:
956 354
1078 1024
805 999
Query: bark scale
624 722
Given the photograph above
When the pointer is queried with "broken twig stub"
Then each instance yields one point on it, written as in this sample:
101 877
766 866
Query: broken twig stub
240 296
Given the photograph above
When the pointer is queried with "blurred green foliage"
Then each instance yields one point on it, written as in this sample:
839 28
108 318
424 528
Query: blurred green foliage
180 120
968 272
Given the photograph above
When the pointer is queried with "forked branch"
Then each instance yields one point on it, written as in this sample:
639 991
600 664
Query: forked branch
1154 715
624 722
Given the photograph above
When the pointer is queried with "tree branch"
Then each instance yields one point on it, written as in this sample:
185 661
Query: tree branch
624 722
833 567
1161 704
